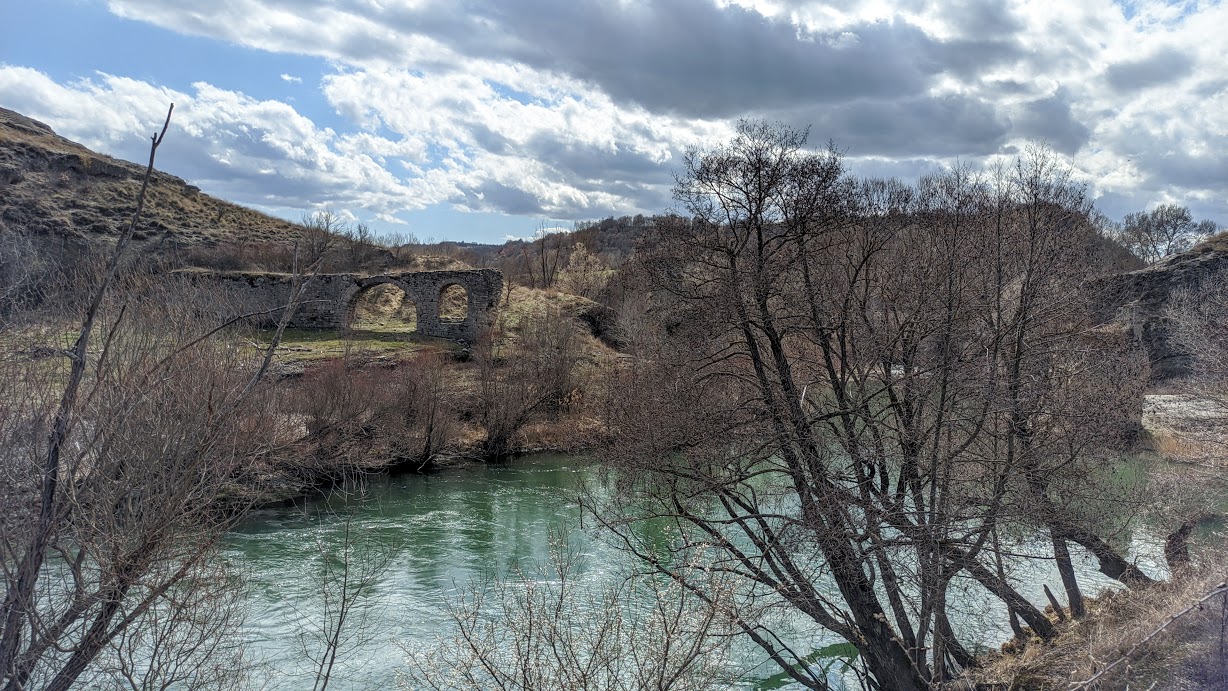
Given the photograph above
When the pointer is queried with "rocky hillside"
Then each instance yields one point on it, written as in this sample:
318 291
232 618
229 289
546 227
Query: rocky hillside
1139 298
56 189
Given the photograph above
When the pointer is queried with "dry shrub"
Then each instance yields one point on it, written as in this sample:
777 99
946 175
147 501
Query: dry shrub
376 416
1169 636
1178 448
535 374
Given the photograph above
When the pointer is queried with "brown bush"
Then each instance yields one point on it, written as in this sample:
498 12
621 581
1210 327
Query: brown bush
376 416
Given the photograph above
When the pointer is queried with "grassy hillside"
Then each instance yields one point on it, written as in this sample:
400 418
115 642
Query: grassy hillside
50 186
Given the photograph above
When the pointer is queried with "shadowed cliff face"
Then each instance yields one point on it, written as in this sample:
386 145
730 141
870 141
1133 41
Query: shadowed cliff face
1138 300
56 188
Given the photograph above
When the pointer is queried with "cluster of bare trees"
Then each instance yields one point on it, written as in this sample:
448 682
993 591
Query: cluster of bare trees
1163 231
529 376
120 453
558 260
359 415
544 627
863 391
538 262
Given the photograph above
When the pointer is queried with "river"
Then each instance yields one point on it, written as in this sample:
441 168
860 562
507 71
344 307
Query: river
437 533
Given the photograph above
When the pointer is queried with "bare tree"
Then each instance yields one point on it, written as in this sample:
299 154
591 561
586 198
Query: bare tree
120 464
1166 229
540 259
186 641
520 378
348 570
545 628
585 274
400 244
323 232
866 390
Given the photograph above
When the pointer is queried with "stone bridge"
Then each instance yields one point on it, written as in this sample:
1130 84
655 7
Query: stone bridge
330 298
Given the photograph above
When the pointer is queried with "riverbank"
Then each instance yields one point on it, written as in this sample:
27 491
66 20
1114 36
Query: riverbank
1170 635
1166 636
377 397
318 465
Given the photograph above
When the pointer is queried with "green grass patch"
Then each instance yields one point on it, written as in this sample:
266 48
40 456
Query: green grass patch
316 344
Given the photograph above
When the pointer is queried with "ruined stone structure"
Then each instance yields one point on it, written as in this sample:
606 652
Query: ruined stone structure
330 298
1138 300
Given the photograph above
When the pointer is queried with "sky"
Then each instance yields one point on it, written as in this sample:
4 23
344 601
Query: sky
480 120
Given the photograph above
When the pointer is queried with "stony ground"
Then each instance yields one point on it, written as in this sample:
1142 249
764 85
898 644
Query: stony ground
1187 428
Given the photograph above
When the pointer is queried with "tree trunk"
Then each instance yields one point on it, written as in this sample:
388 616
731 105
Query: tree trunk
1065 568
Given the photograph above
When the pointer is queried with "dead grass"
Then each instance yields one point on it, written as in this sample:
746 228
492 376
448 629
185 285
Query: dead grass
385 308
1217 243
1137 631
1177 448
56 187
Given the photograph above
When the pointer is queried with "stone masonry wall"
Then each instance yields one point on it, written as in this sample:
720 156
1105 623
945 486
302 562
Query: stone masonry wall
330 298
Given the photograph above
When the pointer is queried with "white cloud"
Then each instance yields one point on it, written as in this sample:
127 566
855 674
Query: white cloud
570 110
247 150
291 78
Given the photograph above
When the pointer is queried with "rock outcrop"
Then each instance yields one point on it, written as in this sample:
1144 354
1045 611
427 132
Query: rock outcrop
1138 300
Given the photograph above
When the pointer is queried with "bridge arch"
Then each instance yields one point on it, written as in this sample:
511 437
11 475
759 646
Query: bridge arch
455 303
376 290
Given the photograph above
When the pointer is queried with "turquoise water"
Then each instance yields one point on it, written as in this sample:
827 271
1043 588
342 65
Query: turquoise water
437 533
433 534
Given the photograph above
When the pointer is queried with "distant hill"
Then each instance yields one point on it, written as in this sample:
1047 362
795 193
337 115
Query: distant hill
58 189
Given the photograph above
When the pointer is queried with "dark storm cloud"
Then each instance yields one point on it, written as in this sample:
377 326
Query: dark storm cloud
969 58
984 18
590 162
1051 120
1161 67
1212 88
495 196
924 126
1008 87
1192 171
690 57
986 36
